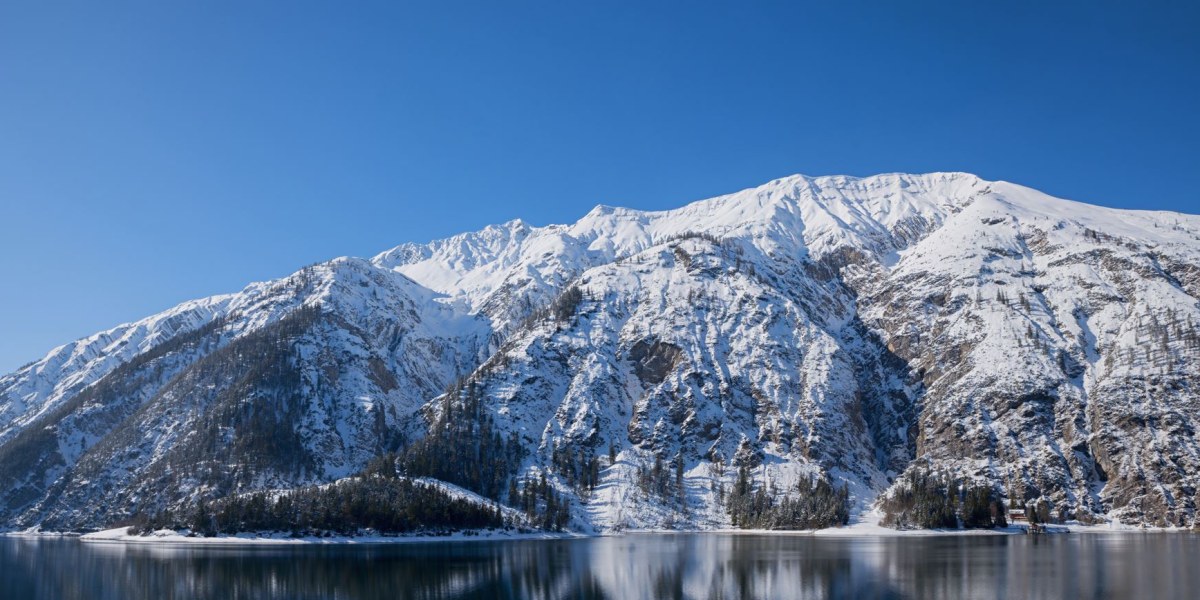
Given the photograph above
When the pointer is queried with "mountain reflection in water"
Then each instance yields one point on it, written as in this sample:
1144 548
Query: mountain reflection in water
1155 565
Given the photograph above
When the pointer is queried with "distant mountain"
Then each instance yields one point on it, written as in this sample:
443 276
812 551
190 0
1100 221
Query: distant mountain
861 332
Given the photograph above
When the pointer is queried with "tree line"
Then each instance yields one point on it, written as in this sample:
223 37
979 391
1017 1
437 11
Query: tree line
543 506
464 447
928 501
369 503
812 504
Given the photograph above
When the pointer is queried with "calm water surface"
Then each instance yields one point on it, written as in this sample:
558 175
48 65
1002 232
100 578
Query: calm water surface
636 566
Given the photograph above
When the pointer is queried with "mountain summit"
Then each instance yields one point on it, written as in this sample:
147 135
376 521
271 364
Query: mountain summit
865 332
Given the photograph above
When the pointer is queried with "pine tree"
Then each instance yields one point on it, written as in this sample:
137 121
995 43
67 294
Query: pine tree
202 521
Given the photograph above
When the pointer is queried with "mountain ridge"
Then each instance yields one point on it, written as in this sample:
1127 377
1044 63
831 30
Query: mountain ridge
854 329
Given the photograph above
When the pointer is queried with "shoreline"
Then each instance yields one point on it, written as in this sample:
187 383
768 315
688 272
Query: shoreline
120 535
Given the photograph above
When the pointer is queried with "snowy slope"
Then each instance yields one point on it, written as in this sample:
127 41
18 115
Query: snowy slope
311 377
1057 347
505 271
856 328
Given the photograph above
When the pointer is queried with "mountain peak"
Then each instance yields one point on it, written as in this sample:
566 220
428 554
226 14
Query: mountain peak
853 329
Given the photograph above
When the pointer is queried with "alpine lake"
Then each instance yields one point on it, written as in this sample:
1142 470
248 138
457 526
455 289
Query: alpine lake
685 565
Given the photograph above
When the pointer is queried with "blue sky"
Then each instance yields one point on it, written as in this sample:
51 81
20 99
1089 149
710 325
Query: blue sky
159 151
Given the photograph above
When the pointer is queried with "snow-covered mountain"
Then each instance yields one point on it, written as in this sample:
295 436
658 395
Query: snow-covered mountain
856 329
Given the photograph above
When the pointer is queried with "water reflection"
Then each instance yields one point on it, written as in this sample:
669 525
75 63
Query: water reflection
636 566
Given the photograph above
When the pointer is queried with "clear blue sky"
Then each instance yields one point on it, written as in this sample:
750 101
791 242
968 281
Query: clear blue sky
159 151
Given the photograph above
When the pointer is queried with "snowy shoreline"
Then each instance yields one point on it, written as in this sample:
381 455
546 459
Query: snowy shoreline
121 535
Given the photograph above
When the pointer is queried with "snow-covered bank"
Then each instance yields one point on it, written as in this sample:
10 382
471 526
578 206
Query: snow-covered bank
167 536
34 532
868 524
862 525
121 535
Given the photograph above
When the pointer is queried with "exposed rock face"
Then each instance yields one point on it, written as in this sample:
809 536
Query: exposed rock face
855 328
653 361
